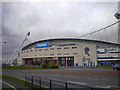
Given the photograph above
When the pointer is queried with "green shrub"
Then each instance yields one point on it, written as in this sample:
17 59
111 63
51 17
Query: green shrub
45 65
19 67
50 65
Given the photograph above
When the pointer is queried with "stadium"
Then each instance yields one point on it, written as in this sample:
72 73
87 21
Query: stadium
70 52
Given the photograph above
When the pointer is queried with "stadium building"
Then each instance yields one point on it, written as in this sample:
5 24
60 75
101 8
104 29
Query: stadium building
70 52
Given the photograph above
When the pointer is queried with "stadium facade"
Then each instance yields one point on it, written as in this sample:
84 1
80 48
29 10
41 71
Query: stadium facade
70 52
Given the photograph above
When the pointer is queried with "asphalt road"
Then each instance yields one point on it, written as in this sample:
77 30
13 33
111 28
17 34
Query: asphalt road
98 78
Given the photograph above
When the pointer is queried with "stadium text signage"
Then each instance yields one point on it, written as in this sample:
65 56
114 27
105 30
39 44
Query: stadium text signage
109 49
41 45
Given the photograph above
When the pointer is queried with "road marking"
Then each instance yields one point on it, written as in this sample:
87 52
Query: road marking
93 78
103 86
105 79
78 77
115 87
55 75
72 77
64 76
54 79
8 84
81 83
98 79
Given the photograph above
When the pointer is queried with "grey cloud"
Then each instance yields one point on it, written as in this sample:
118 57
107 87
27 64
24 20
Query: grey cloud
50 20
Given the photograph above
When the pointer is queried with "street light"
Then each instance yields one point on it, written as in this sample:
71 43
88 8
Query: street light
1 51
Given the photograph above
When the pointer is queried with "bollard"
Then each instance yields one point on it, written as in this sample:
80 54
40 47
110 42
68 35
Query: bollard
65 86
50 84
91 88
32 80
40 83
25 79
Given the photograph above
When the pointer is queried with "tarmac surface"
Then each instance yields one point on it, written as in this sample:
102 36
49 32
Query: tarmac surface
91 77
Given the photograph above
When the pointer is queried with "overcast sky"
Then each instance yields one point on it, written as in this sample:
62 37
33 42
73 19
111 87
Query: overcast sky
54 19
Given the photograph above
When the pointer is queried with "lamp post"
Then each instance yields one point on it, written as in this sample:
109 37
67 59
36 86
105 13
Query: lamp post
1 50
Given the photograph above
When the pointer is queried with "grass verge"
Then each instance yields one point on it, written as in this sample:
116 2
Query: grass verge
24 68
103 67
20 81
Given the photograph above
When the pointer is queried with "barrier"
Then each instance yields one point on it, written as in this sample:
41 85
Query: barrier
54 84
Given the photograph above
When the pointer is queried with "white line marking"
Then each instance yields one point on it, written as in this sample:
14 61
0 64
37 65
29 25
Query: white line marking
55 75
98 79
72 77
54 79
115 87
81 83
8 84
103 86
93 78
64 76
105 79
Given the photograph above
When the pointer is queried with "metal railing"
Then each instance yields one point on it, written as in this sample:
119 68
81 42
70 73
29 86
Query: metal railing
54 84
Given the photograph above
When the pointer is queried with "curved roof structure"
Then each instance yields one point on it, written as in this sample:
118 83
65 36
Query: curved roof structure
53 39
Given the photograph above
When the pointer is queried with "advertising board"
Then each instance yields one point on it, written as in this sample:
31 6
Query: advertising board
41 45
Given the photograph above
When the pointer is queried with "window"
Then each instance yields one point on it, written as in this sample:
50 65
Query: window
51 54
72 44
27 51
40 49
75 53
59 54
51 48
31 50
66 54
69 44
66 47
74 47
58 48
45 49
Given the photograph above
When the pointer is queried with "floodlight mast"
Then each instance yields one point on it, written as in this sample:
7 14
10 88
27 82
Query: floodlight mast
17 50
117 15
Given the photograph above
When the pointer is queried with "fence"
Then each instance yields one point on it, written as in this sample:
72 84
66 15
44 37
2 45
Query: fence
54 84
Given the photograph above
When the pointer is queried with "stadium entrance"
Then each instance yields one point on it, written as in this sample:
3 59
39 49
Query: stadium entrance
66 61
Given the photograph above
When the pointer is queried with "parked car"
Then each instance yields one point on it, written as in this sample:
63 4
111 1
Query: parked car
116 67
